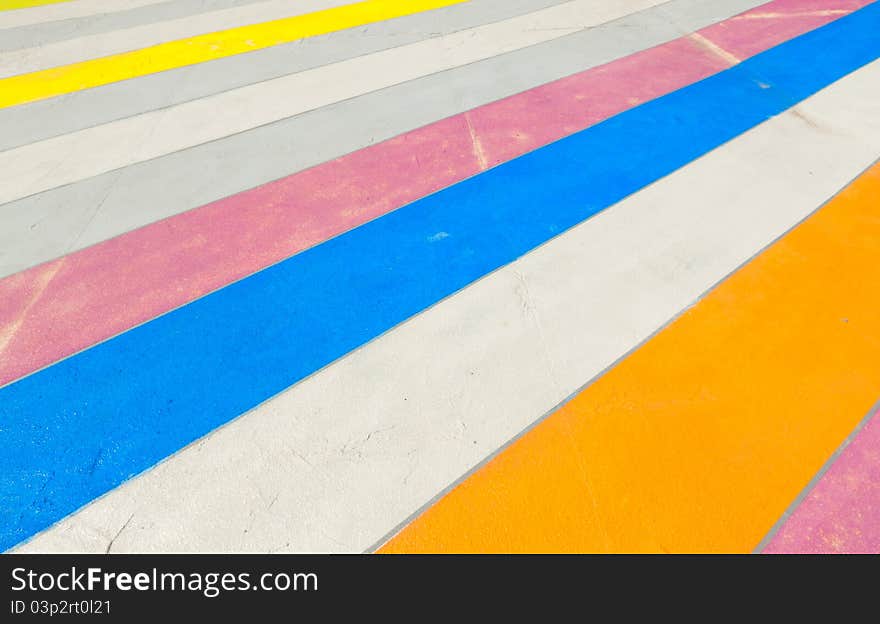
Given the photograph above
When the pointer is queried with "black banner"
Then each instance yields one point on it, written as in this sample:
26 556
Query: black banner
130 587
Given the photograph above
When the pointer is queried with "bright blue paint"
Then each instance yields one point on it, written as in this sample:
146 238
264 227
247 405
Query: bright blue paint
83 426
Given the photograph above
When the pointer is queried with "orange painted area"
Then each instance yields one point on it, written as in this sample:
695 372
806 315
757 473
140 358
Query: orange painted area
701 438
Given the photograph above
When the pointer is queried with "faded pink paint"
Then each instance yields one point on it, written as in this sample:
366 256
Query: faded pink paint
768 25
510 127
841 514
56 309
112 286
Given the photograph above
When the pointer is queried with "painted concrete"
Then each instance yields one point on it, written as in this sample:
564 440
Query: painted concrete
11 5
482 141
76 216
742 36
169 263
28 123
45 56
57 81
62 160
68 10
841 514
316 306
42 33
697 441
333 478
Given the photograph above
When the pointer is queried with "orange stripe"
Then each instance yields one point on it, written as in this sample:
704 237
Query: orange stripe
700 439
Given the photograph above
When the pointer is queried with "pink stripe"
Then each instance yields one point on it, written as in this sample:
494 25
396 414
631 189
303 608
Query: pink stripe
768 25
842 513
61 307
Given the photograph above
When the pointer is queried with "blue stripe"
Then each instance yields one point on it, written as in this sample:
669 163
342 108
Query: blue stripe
83 426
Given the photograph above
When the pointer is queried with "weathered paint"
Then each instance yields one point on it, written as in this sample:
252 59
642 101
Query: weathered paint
20 125
700 438
321 304
841 514
337 461
45 226
110 287
43 30
58 161
55 310
57 11
749 33
9 5
57 81
42 55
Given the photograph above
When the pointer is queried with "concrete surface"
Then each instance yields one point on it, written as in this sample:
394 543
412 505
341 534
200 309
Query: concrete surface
502 128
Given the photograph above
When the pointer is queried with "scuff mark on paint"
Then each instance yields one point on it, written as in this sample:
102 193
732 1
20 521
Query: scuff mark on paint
231 230
438 237
478 148
807 119
714 48
822 13
530 310
41 283
118 533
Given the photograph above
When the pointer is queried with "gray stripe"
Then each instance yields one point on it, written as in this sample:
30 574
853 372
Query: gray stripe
62 30
692 16
20 125
56 222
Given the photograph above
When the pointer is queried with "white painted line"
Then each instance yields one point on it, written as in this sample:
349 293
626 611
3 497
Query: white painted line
46 56
339 460
79 155
68 10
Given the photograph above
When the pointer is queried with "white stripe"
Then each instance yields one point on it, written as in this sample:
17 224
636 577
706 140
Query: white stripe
64 220
68 10
27 60
68 158
336 462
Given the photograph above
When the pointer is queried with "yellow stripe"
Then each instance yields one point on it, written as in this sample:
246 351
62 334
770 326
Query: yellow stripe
87 74
699 440
8 5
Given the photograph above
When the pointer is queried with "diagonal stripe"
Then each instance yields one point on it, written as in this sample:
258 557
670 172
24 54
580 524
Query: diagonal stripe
57 12
335 462
62 160
9 5
163 267
121 15
20 125
841 514
60 80
41 56
738 36
120 407
79 215
698 440
167 264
